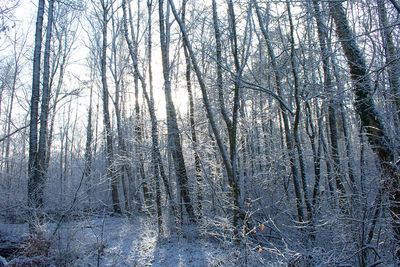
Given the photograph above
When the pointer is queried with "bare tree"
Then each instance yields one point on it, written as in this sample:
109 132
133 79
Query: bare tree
369 115
288 136
111 172
117 68
158 169
392 59
226 158
192 120
35 186
87 172
174 140
44 112
329 87
297 118
139 128
64 33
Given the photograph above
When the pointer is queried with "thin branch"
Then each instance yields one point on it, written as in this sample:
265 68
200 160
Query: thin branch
11 134
259 88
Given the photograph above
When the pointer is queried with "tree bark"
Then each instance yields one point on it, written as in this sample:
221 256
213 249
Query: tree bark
156 155
87 171
206 101
369 116
35 189
391 59
288 136
328 84
174 140
192 122
44 113
297 117
111 173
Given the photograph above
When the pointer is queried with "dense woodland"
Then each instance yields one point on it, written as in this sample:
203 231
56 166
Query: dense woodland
272 126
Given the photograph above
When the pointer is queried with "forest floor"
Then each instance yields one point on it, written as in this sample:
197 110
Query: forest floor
119 241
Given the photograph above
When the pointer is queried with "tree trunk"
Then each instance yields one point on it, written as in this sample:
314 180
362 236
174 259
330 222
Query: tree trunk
289 139
111 173
192 122
35 189
231 124
297 117
316 147
391 59
117 73
174 140
139 124
125 168
87 171
44 113
232 130
369 116
156 155
328 84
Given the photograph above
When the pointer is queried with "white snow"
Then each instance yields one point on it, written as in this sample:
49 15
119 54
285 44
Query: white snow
118 241
135 242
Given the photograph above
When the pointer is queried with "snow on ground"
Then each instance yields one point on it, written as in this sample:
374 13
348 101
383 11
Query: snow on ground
117 241
137 243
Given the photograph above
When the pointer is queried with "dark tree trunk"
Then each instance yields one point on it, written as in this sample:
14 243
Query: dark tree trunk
297 118
174 139
139 124
156 155
192 122
35 189
111 173
290 144
328 84
369 116
87 171
44 113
